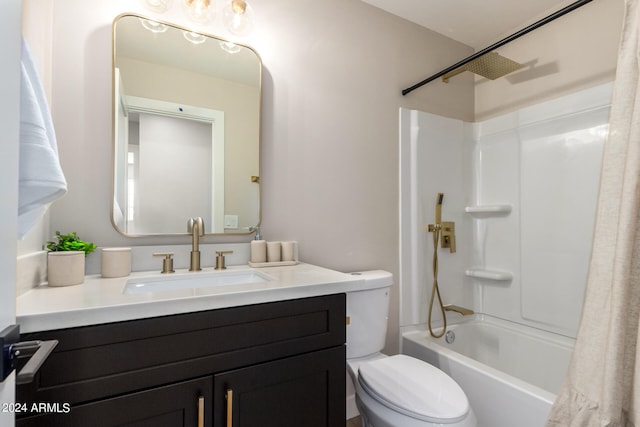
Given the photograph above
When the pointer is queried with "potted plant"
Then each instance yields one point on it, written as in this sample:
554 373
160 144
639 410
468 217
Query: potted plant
65 260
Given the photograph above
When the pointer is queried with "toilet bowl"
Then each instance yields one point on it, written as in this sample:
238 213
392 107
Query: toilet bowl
395 391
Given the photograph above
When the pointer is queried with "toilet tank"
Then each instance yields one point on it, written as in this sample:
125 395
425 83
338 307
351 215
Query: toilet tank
368 311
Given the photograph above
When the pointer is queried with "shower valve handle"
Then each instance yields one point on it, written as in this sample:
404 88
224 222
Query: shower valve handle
448 236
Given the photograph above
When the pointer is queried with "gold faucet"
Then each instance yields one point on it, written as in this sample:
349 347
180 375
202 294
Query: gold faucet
195 226
458 309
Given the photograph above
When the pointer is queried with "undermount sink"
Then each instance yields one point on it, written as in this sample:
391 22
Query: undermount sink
176 282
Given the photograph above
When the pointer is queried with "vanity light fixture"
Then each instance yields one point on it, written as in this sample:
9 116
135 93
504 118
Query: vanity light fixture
194 38
238 17
200 11
237 14
230 47
153 26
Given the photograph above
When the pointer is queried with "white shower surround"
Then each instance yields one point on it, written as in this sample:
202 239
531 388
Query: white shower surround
544 163
532 177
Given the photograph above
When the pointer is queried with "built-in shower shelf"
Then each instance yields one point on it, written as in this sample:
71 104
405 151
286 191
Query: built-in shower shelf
489 274
488 210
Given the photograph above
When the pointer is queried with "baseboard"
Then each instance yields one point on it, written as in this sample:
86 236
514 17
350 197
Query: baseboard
352 409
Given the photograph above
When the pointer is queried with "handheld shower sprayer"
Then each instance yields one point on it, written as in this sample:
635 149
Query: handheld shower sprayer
445 233
439 201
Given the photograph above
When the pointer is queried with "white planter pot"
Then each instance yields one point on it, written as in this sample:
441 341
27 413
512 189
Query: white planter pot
65 268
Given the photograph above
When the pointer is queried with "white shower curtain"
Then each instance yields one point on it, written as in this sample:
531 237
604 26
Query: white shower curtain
602 387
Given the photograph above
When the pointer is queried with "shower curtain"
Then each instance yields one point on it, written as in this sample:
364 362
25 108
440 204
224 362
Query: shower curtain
602 387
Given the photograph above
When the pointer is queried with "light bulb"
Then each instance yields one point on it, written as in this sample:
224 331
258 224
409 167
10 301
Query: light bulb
194 38
159 6
238 17
153 26
230 47
200 11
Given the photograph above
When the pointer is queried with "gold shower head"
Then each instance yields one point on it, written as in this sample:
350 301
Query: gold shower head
491 66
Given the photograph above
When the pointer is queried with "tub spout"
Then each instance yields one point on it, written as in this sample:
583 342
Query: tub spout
458 309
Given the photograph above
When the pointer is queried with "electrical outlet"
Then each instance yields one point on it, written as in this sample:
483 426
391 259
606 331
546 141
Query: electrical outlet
231 221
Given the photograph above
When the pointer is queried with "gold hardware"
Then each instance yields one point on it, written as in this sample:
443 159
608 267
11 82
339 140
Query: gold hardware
458 309
348 320
453 73
195 226
439 200
436 229
220 259
255 178
239 6
448 236
201 411
167 262
445 230
203 3
490 65
229 408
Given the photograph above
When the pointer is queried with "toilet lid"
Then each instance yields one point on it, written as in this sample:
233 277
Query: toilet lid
414 388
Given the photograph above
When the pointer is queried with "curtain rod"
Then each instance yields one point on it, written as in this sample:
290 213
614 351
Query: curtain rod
502 42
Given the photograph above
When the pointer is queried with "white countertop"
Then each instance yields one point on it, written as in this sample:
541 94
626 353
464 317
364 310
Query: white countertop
99 300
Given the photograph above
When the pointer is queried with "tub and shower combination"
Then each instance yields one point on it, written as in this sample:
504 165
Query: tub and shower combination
509 373
522 191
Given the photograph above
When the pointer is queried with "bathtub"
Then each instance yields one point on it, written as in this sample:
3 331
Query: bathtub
510 373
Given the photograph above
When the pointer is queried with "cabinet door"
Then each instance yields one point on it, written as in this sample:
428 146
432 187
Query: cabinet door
186 404
306 390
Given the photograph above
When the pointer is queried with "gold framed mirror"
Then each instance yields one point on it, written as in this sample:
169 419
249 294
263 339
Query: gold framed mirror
186 126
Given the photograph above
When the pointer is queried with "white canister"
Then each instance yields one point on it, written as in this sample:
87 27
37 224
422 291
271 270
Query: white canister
116 262
273 251
258 251
65 268
289 251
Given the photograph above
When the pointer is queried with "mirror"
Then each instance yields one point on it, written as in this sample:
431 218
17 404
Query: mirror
186 125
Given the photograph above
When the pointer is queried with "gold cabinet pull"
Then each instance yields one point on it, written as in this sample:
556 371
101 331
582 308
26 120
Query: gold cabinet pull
201 411
229 408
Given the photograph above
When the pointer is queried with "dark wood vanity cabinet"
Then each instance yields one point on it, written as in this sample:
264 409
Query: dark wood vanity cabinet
274 364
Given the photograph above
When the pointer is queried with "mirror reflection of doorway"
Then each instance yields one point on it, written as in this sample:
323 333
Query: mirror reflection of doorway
171 165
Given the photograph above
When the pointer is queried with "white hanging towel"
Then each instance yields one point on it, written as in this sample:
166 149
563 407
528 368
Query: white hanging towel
41 180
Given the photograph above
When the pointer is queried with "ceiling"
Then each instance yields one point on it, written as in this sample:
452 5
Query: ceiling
476 23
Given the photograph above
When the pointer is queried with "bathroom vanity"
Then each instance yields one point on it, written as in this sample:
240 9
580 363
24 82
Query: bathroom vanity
272 356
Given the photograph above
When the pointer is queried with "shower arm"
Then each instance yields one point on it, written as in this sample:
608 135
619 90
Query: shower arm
502 42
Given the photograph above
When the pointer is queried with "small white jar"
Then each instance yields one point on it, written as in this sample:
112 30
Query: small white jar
116 262
273 252
289 251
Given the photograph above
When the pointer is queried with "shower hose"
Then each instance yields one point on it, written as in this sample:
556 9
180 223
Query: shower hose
435 290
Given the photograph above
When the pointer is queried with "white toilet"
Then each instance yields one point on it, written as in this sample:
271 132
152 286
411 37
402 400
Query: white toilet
395 391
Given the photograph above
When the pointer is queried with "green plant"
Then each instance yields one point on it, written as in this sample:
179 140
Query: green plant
70 242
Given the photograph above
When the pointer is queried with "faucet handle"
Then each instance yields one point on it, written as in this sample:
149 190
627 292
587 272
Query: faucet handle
220 262
167 262
448 236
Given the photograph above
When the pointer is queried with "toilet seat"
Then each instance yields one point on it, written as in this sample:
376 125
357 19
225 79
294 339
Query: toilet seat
414 388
